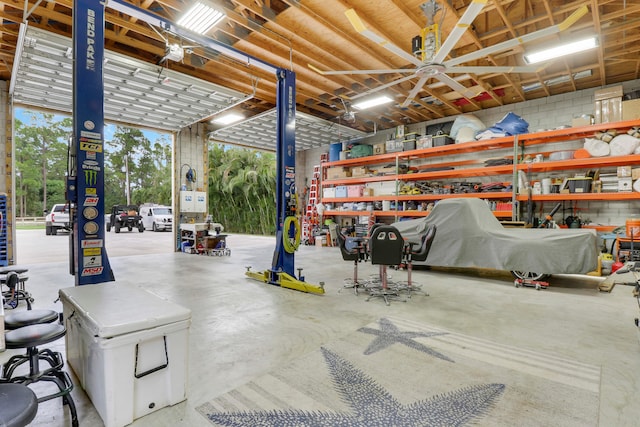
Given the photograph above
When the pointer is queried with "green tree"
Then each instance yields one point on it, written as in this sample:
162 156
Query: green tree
41 161
242 189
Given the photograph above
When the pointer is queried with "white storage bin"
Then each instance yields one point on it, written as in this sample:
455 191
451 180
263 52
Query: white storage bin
128 349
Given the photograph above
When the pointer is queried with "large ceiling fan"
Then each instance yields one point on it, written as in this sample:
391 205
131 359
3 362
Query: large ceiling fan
429 56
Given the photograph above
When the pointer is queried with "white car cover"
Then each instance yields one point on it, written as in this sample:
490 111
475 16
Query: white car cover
469 235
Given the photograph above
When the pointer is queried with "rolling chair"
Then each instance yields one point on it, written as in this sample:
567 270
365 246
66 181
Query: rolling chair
387 248
350 254
418 252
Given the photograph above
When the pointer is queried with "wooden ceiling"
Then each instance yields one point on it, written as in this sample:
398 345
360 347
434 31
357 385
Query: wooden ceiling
294 33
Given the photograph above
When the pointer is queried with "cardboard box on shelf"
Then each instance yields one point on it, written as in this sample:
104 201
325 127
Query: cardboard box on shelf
631 109
338 172
355 190
341 191
635 173
360 171
624 171
608 104
379 148
625 184
608 93
328 193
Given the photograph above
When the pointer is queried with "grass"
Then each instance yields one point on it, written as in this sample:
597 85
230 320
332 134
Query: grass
30 227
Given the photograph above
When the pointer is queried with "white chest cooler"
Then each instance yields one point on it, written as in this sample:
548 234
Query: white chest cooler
127 347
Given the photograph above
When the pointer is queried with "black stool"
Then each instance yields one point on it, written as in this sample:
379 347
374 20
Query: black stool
18 319
18 405
30 337
15 278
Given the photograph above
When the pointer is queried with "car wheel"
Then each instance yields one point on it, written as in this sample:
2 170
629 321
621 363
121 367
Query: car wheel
54 231
529 275
48 230
154 227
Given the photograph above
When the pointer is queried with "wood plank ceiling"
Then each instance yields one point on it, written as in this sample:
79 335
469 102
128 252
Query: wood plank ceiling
295 33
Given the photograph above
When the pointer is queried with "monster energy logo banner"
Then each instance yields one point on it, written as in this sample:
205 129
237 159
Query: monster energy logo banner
90 177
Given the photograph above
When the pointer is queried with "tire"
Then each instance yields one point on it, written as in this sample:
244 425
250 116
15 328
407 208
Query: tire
108 227
529 275
54 230
129 228
48 230
117 227
154 228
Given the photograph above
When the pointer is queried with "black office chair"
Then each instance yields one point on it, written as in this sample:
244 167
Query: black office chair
418 252
387 249
350 254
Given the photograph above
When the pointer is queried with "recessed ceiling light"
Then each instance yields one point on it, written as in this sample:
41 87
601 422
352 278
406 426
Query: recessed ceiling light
200 18
561 50
227 119
372 102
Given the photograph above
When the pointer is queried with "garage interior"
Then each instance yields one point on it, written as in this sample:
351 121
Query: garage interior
566 355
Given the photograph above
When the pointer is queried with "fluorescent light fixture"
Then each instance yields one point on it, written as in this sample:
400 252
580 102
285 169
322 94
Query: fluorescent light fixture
561 50
372 102
557 80
200 18
227 119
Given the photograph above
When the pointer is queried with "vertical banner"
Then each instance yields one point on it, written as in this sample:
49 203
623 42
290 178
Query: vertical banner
85 185
283 261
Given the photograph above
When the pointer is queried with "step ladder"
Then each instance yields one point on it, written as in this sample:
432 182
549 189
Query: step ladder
311 220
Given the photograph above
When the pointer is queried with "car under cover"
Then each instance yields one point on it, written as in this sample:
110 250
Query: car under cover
469 235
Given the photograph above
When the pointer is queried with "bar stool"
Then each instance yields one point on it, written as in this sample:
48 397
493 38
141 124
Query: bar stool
15 278
18 405
30 337
18 319
417 252
354 254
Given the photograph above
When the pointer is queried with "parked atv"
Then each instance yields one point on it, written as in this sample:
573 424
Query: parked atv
125 216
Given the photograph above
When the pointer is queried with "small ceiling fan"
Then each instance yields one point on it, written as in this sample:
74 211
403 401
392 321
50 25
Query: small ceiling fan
429 57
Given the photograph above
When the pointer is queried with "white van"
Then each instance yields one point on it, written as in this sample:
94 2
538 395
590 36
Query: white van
156 218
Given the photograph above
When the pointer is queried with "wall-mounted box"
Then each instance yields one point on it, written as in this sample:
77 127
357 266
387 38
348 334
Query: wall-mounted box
193 201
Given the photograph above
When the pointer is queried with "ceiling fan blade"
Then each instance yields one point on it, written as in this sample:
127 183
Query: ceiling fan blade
465 20
462 90
414 92
379 88
388 71
359 26
571 19
496 69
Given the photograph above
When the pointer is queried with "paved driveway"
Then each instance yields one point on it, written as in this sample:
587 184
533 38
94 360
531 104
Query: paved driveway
34 247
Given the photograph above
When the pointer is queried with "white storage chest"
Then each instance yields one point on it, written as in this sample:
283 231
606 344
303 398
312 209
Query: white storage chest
127 347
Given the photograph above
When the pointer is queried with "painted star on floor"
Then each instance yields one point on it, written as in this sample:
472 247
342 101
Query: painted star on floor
372 405
389 334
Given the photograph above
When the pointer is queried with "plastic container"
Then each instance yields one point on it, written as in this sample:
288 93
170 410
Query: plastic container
334 151
128 349
632 227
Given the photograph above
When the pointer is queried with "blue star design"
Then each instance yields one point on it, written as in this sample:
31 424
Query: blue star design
371 405
389 334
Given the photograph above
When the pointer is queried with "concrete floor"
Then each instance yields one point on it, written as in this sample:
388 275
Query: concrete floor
242 329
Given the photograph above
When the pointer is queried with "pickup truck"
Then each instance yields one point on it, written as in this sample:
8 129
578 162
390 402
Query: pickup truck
57 219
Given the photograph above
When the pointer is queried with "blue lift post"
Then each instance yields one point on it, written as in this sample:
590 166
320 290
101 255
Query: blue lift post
85 182
88 108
